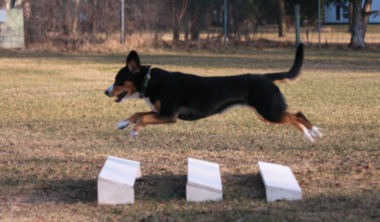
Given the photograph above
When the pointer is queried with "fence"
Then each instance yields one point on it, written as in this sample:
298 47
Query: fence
71 24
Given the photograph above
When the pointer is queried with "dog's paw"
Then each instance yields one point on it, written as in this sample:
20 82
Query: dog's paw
316 132
133 134
307 134
123 124
309 137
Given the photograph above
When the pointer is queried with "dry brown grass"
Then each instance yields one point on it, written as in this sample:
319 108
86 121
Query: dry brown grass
57 128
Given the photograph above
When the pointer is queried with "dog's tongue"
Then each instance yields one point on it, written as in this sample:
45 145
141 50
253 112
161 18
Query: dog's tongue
121 96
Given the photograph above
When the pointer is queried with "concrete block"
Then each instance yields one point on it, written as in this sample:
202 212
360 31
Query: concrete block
116 181
204 182
279 181
12 31
3 15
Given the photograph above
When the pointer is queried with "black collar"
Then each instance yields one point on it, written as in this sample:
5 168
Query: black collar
144 86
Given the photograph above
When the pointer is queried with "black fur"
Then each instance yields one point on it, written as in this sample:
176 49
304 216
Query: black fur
133 57
193 97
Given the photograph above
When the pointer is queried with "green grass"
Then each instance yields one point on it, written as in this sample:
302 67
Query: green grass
57 128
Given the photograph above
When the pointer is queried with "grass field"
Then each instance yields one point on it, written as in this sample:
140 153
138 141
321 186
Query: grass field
57 128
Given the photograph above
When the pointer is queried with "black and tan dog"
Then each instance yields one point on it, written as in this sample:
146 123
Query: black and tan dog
175 95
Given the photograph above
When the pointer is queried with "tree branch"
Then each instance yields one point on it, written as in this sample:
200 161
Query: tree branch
376 13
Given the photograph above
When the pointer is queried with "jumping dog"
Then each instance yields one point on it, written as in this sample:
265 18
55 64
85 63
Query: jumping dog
175 95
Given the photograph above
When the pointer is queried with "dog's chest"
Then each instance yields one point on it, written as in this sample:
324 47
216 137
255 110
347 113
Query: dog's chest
149 103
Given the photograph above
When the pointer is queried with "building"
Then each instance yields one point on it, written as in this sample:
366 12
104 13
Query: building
338 13
12 25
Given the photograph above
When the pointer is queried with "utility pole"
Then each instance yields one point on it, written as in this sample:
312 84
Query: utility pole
225 21
297 23
319 24
122 39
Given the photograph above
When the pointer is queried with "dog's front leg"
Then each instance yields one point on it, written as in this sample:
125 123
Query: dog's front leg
132 119
152 118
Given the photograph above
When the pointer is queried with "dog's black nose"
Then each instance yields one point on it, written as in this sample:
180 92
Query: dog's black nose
108 91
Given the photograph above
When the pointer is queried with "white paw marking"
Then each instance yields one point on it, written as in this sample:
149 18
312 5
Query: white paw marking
307 135
123 124
133 134
316 132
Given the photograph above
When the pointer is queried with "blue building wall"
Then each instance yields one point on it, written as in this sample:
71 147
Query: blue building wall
338 14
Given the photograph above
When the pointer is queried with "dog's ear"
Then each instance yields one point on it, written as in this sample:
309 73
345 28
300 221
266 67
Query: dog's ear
133 62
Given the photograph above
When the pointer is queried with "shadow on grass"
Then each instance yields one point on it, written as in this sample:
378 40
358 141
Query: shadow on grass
160 187
148 188
243 186
173 187
66 191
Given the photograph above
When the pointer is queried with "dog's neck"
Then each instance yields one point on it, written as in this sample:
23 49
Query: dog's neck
143 81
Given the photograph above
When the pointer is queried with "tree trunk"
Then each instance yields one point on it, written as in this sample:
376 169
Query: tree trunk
357 28
175 30
281 18
194 27
178 14
76 17
187 30
93 20
175 22
350 13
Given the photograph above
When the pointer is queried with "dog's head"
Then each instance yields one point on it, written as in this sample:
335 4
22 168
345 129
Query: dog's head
124 86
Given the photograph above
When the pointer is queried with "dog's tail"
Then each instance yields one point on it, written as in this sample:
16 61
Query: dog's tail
293 72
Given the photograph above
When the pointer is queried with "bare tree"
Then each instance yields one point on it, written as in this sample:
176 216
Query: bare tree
2 4
350 13
75 17
178 8
194 23
360 16
281 18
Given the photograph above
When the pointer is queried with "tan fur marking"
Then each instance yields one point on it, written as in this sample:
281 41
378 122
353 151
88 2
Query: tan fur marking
302 119
289 118
130 87
157 106
117 90
135 117
153 118
298 120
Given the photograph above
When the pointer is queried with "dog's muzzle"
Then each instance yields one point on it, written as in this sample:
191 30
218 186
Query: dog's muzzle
108 91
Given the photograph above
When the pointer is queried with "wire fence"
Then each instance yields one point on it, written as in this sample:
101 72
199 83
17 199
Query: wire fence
71 24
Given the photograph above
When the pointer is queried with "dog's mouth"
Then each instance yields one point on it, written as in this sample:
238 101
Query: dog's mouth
121 96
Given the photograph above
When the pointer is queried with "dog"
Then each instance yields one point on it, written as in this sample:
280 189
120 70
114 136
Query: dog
175 95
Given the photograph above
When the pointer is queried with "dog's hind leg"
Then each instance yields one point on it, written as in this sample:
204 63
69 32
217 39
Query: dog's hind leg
315 131
302 123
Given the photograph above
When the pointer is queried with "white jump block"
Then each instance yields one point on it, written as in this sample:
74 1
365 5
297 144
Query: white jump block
3 15
204 182
279 182
116 181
